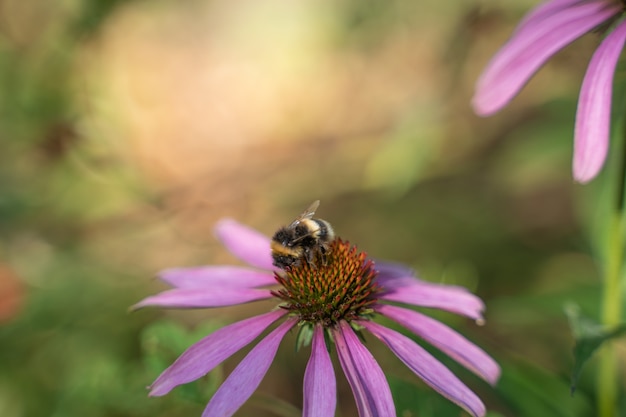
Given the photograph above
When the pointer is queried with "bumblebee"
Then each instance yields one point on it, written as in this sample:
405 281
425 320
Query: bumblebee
305 239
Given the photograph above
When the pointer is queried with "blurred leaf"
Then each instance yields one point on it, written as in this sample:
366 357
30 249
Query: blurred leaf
536 308
589 336
94 13
404 158
414 400
533 391
163 342
364 24
275 405
304 337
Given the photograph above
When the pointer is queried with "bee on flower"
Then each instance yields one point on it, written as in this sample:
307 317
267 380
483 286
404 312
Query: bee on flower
330 297
305 239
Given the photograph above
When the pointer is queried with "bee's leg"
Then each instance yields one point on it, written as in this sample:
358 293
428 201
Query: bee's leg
306 254
310 257
322 254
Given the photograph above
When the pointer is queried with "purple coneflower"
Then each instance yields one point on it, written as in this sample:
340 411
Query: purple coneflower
329 303
543 32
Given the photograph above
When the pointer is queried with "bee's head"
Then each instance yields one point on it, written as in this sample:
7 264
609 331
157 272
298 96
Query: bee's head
284 261
283 237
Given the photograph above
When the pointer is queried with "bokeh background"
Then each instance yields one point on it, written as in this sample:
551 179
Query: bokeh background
128 128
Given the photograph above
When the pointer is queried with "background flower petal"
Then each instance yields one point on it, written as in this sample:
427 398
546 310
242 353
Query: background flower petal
593 116
203 297
320 385
428 368
452 298
212 350
542 11
247 376
445 339
245 243
528 50
213 276
369 385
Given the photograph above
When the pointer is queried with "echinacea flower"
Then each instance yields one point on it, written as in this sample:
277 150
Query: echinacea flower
331 302
543 32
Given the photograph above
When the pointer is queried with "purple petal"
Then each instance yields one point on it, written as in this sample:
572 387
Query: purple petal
369 385
247 376
593 117
544 10
445 339
393 270
209 352
203 297
320 386
531 47
428 368
216 276
410 290
245 243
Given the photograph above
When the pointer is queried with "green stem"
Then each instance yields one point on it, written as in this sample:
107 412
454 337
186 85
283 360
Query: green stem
612 297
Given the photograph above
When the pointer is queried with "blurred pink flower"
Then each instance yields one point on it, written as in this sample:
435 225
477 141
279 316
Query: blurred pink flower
543 32
327 303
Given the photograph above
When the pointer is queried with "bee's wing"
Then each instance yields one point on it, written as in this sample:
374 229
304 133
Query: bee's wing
308 213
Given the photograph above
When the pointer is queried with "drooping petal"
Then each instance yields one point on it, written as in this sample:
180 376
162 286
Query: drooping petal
212 350
452 298
245 243
593 116
369 385
428 368
320 386
216 276
247 376
203 297
445 339
528 50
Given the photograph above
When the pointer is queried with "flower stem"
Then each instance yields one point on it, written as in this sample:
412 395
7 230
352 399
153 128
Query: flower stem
612 296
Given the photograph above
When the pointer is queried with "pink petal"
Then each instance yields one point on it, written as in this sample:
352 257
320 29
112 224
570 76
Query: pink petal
320 386
445 339
428 368
216 276
392 269
593 117
410 290
245 243
528 50
542 11
203 298
209 352
367 380
247 376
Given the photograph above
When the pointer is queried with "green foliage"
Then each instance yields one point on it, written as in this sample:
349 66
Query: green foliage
165 341
74 357
93 13
304 337
414 399
532 391
589 336
276 406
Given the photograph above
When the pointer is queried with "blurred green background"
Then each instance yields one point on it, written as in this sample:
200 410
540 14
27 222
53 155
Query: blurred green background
128 128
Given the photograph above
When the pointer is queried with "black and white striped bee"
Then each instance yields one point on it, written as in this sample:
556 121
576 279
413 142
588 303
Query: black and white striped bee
305 239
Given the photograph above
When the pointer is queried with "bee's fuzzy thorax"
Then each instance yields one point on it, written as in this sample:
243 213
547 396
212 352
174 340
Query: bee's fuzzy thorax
305 240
